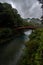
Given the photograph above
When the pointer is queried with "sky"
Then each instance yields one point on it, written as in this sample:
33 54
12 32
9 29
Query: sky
26 8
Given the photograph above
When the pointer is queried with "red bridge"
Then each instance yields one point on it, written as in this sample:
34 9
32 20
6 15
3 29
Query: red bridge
28 27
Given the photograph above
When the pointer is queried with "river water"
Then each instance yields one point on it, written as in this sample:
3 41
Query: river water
11 53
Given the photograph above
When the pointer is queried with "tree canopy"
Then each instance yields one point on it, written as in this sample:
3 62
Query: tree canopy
33 54
9 16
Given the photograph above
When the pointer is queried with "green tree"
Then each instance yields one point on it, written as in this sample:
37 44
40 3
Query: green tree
9 17
34 49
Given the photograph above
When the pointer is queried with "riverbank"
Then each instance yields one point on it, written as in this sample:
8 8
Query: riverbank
7 35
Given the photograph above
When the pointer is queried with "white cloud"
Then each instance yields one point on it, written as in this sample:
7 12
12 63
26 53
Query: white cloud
13 5
33 6
26 8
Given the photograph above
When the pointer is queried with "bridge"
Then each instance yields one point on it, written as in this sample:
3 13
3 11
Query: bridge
28 27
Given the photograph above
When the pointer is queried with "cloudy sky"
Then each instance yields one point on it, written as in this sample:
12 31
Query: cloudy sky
26 8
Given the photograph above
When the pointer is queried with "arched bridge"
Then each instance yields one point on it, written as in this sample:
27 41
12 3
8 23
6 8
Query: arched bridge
28 27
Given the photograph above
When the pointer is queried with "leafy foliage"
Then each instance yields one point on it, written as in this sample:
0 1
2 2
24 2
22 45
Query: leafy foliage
34 49
9 20
9 17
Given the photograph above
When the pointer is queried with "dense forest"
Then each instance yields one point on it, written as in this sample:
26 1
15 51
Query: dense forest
9 20
33 54
9 17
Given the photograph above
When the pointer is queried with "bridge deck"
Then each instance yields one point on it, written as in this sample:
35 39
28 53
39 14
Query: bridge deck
28 27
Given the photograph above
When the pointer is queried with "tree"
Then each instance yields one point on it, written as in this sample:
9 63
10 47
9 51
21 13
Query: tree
34 49
9 16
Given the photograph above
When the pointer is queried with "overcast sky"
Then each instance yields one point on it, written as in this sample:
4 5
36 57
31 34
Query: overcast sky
26 8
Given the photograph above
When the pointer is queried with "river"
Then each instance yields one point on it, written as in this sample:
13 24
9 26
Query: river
11 53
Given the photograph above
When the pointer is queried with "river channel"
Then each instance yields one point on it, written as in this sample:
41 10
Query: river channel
11 53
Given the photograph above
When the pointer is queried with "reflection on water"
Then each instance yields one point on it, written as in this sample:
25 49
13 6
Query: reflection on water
28 32
10 54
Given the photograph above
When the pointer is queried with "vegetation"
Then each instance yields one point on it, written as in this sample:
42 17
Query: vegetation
34 49
9 20
31 22
9 17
